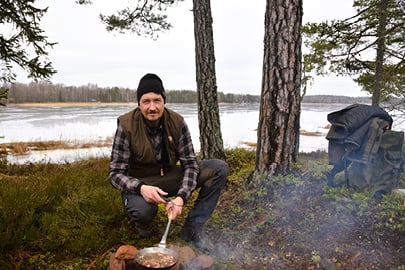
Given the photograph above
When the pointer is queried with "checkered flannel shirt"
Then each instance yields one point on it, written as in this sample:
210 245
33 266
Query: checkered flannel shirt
121 153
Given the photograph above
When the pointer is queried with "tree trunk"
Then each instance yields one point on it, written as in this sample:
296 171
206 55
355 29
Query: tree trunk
208 109
280 107
379 61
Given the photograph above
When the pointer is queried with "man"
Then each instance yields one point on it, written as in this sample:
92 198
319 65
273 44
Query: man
149 142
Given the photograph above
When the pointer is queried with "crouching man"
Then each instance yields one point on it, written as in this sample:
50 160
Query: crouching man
153 159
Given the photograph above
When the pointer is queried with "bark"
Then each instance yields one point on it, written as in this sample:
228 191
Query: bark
208 109
379 62
280 107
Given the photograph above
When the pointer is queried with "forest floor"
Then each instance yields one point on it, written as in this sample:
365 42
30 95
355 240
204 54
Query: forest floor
301 223
294 221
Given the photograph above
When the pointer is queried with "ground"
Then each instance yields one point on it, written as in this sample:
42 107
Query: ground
301 223
294 221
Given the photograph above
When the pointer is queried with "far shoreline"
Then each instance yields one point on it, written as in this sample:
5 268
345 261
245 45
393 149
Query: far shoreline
134 104
72 104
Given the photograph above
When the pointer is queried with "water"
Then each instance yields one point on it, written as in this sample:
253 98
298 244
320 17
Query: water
90 123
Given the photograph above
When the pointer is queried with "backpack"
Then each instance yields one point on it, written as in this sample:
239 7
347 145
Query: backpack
362 144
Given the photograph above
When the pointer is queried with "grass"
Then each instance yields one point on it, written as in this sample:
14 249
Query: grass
56 213
67 216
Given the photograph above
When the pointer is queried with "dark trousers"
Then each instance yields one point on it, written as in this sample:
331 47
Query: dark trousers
211 180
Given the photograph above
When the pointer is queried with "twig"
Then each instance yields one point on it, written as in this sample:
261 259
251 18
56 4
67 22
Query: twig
99 258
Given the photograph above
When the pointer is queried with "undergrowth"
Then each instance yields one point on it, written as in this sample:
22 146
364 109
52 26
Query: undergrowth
68 216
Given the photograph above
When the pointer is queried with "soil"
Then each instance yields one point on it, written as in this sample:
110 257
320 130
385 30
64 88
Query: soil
304 224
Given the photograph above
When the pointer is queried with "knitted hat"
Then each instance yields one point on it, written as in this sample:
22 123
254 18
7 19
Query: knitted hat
150 83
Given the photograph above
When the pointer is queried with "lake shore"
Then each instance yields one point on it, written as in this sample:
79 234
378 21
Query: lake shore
57 131
132 104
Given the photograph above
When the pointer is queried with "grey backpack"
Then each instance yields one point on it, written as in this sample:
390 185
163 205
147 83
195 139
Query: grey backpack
362 144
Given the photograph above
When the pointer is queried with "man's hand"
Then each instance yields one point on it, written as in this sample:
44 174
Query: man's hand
153 194
174 207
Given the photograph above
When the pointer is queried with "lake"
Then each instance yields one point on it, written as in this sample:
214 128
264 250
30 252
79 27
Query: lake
90 123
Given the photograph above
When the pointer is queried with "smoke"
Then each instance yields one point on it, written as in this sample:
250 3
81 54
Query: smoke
304 224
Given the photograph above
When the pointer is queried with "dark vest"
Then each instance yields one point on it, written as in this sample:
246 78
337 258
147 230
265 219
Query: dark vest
142 161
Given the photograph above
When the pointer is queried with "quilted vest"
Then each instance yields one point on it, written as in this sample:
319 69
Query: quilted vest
142 160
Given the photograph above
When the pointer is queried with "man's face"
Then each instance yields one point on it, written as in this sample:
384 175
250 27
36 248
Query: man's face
152 107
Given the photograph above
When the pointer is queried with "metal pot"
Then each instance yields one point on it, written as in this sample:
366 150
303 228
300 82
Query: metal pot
157 255
153 253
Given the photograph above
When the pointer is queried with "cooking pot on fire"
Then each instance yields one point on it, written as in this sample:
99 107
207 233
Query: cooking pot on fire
159 257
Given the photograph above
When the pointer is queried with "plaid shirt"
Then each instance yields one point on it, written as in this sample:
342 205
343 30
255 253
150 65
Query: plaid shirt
121 153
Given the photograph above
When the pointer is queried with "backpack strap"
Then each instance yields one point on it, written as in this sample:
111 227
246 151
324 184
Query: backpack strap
375 135
346 172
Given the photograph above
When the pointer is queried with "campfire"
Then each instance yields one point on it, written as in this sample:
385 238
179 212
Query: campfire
124 259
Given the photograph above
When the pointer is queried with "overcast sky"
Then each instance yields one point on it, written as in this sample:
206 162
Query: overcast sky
87 53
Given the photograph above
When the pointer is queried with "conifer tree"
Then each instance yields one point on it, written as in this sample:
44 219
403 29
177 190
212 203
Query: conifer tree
22 42
369 46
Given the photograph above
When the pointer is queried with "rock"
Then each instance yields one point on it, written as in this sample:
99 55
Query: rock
116 264
132 265
202 262
126 252
186 254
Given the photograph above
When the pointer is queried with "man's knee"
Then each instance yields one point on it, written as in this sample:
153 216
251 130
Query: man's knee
214 172
223 167
218 165
143 216
222 170
138 209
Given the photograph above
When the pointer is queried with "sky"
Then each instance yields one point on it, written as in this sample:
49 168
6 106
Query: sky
87 53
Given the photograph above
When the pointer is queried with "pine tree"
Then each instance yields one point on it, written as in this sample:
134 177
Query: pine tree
369 46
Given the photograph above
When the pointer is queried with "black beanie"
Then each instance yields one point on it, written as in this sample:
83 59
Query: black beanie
150 83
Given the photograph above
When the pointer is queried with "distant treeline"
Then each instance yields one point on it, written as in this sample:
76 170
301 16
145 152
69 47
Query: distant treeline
336 99
46 92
